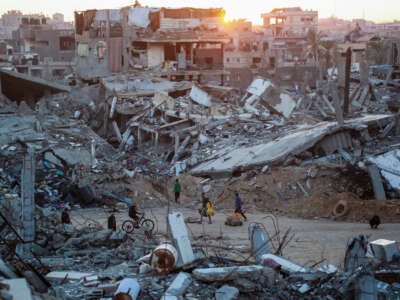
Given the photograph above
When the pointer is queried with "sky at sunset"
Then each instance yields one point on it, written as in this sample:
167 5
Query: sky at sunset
378 11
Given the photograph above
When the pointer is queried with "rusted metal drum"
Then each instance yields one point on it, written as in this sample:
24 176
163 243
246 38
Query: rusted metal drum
163 259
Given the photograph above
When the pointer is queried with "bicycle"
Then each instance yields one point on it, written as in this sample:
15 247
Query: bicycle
140 221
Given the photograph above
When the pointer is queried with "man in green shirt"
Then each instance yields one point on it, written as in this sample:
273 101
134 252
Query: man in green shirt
177 190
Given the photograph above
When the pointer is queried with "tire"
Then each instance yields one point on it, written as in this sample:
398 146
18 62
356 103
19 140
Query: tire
147 224
341 208
128 226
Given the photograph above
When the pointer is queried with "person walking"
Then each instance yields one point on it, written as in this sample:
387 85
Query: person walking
204 210
112 223
177 190
238 206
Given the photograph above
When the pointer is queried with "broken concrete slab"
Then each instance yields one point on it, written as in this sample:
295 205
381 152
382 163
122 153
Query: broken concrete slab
69 275
200 97
286 265
389 163
384 249
259 86
226 292
226 274
377 184
18 86
179 285
19 289
74 156
176 223
225 161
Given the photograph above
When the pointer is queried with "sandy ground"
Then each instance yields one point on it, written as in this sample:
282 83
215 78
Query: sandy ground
314 240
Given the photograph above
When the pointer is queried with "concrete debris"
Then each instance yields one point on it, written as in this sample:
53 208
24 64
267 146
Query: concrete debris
179 285
226 292
90 207
384 250
226 274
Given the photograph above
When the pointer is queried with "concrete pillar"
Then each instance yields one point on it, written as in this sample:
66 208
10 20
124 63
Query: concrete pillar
27 231
364 74
377 184
347 82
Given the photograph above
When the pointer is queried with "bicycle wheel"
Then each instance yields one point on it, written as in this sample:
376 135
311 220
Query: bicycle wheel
128 226
147 224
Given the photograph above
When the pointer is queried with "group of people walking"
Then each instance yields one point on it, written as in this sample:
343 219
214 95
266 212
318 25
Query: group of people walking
207 209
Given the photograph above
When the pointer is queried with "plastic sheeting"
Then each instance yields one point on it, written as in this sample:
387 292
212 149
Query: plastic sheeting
83 49
140 16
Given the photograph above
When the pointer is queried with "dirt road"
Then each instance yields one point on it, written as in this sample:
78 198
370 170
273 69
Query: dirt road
314 239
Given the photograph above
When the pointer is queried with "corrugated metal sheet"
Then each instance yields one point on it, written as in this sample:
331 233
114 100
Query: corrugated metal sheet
115 55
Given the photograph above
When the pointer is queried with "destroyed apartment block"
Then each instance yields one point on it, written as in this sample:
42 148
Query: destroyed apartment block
116 40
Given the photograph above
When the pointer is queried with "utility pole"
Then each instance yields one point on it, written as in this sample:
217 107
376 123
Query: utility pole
347 82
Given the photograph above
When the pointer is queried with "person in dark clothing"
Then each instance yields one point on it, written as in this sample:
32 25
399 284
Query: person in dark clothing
204 208
238 206
177 190
133 212
112 223
65 217
375 222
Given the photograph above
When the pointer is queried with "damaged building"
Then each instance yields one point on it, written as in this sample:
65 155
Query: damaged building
116 40
286 31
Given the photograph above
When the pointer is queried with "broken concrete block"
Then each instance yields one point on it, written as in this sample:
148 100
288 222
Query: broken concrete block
225 274
226 292
70 275
286 265
329 269
179 285
52 159
377 182
199 96
144 268
245 285
19 288
384 249
366 288
129 286
259 86
176 222
259 242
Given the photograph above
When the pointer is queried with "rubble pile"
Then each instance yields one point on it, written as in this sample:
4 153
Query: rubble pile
123 141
